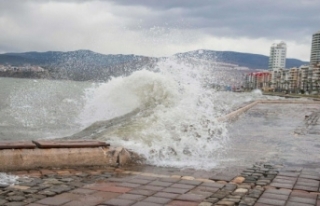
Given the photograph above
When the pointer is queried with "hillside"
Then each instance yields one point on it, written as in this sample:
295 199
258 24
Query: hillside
79 65
252 61
85 65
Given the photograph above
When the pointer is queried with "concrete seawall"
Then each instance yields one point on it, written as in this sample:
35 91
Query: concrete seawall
63 154
235 114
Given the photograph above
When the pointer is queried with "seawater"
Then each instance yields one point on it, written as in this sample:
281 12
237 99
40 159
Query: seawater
176 126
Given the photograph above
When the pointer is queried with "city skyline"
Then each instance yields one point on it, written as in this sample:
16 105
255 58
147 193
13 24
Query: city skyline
157 29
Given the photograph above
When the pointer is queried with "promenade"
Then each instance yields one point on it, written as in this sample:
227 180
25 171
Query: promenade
271 158
260 185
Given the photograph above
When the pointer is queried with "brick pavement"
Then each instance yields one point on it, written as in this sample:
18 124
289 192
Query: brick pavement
260 185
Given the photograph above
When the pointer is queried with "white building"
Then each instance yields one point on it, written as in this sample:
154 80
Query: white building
315 49
277 58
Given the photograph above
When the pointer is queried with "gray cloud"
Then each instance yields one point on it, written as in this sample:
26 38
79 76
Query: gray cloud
284 19
157 27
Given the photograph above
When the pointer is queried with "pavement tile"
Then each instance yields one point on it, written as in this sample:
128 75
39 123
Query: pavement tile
286 178
275 196
35 204
190 182
54 201
175 190
284 181
298 193
126 184
141 192
282 185
190 197
289 174
93 199
206 189
305 200
212 184
309 176
271 201
172 180
132 197
139 181
146 177
119 202
116 179
108 187
278 192
83 191
158 200
306 188
166 195
296 204
146 204
300 179
261 204
182 203
306 182
151 187
70 196
198 192
161 184
184 186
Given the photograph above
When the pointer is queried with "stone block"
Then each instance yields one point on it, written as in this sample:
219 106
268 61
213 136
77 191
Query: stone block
175 190
133 197
272 201
119 202
158 200
142 192
17 145
166 195
238 180
304 200
182 203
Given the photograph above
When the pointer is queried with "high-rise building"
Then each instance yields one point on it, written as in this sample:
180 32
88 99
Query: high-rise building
315 49
277 58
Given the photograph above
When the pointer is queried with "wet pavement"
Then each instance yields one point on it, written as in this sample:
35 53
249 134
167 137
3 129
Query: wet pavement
285 134
261 184
271 158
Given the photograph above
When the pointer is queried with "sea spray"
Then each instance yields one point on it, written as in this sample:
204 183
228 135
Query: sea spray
177 124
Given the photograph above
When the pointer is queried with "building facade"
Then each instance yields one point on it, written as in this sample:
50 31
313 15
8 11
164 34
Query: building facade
277 58
315 49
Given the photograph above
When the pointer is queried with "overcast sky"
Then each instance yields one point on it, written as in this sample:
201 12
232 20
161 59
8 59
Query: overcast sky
158 27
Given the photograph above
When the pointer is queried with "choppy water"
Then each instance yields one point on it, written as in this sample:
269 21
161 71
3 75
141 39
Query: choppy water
176 125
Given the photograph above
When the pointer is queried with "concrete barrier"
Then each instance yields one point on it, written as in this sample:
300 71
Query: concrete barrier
235 114
26 159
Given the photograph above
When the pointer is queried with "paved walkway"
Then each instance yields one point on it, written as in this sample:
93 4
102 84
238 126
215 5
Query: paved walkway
261 184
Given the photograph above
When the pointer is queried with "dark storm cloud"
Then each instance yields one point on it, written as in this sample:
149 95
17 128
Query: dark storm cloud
284 19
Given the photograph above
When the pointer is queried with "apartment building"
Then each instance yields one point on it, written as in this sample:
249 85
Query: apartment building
277 58
315 49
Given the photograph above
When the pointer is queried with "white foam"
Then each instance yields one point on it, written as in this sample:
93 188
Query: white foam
177 125
7 179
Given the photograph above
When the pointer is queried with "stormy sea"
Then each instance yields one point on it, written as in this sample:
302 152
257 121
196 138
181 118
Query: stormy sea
168 114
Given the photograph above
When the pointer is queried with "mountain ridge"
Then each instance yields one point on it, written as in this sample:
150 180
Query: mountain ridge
85 65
